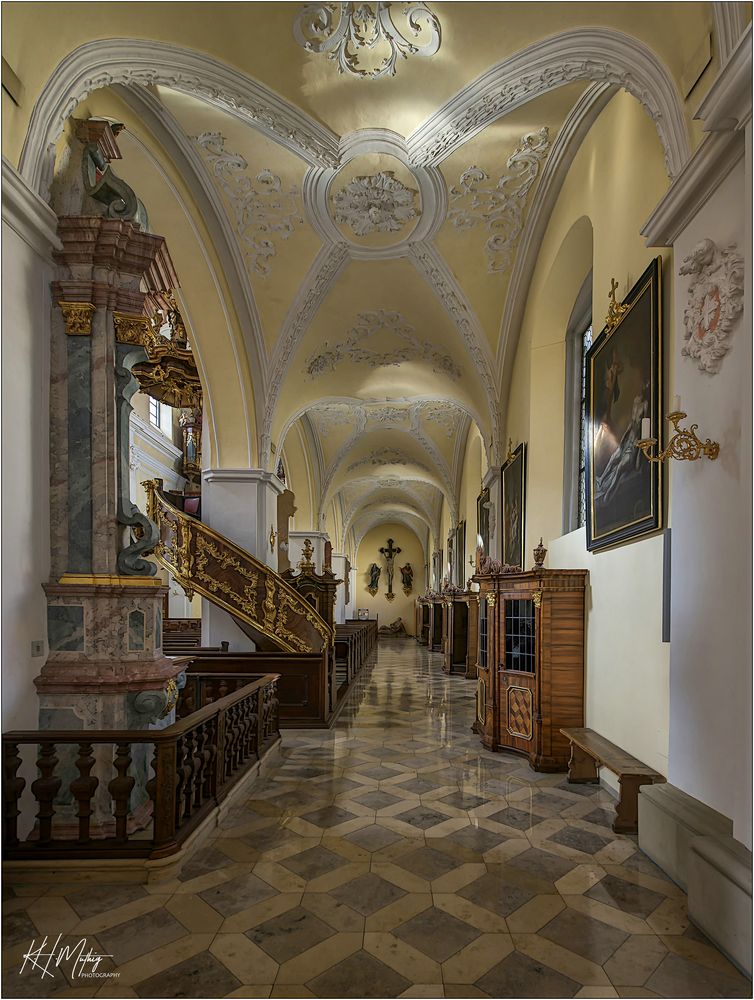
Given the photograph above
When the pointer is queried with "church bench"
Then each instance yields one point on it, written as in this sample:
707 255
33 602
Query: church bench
589 751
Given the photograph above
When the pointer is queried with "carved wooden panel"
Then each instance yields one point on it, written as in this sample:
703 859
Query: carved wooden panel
519 712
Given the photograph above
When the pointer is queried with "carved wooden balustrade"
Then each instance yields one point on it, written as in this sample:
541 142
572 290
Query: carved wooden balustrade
196 762
267 608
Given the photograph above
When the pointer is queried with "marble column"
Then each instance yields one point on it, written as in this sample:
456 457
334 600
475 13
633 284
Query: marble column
105 667
242 505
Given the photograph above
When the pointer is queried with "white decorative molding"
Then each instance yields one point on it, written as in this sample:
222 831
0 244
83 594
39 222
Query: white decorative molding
25 212
154 438
499 206
389 415
711 163
715 301
386 456
729 25
436 273
378 324
571 134
727 104
375 203
433 195
346 31
596 54
184 155
331 415
144 62
445 415
261 207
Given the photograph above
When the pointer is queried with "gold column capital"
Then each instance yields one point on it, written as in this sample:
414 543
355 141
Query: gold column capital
77 317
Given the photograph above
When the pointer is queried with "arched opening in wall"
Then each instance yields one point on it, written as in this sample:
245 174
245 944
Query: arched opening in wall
578 341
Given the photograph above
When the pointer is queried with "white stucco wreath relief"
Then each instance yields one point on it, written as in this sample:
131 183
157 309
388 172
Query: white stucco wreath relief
499 206
262 208
377 203
714 303
380 324
363 38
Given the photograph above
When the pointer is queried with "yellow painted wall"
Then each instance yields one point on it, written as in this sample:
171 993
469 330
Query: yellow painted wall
471 481
299 481
616 179
369 552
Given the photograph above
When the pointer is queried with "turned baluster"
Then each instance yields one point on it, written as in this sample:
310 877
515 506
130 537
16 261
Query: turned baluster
120 789
259 694
208 753
189 771
231 736
83 788
219 753
13 786
184 773
253 703
200 762
45 788
246 727
274 710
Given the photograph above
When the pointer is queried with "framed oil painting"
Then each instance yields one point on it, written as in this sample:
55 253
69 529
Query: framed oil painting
514 507
623 386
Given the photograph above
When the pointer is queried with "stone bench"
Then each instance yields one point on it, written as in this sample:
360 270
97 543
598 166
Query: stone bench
590 751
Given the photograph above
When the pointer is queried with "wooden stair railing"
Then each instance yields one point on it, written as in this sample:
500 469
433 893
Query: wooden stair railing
269 610
196 762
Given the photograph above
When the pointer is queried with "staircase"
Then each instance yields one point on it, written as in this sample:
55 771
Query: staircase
269 610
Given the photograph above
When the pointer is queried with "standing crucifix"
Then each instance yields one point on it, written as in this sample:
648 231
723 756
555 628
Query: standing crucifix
389 555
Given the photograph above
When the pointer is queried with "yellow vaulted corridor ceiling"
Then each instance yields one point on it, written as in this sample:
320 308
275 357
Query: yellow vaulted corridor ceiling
374 237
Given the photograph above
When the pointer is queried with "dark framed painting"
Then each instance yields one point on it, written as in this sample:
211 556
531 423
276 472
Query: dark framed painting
514 507
623 388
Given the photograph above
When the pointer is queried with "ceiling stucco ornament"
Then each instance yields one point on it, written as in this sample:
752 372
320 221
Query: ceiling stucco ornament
349 33
379 324
445 415
378 203
386 456
332 415
499 206
263 209
391 416
715 301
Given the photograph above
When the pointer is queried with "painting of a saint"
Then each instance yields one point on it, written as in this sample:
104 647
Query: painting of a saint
623 384
514 507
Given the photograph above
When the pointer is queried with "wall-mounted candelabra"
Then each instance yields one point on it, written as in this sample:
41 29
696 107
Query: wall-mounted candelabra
684 445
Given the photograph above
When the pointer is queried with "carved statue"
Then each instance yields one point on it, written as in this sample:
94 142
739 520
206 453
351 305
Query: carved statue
389 553
374 578
407 576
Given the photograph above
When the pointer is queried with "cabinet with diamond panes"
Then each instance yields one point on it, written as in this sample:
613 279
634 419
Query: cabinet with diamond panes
531 663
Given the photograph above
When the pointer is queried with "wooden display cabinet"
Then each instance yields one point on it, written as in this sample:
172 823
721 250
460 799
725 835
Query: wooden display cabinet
422 621
531 663
435 625
460 634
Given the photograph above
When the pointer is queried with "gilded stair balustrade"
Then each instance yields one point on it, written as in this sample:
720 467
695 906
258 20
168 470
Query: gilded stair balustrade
195 555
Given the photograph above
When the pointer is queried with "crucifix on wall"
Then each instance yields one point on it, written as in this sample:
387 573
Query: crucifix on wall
389 553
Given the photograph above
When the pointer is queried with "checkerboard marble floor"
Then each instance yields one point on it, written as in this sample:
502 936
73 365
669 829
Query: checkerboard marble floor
390 856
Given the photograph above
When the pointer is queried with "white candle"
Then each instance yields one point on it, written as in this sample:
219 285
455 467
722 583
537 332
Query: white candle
676 404
646 429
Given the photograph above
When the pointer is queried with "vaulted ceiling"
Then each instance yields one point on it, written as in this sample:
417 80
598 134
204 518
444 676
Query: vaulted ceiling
379 228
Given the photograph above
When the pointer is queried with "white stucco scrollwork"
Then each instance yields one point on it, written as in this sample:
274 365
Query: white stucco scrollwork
715 301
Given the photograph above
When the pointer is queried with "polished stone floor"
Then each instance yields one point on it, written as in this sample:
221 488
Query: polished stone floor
390 856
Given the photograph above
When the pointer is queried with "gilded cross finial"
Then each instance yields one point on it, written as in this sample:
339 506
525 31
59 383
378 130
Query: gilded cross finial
615 309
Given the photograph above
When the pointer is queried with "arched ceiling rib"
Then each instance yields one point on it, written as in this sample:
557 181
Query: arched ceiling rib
383 270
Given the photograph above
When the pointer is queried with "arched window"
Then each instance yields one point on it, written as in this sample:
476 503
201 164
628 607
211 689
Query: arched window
280 472
578 342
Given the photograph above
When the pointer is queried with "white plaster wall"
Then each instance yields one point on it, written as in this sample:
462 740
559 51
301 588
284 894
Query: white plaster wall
25 483
710 665
627 664
240 504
